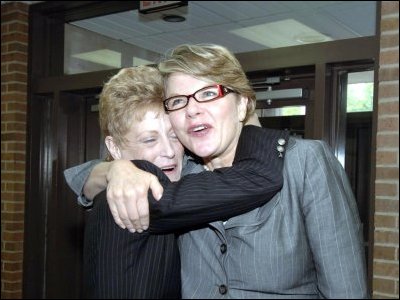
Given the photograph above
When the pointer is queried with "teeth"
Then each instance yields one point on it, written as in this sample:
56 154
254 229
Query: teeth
167 169
200 127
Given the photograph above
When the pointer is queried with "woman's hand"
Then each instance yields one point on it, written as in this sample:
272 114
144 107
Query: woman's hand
127 190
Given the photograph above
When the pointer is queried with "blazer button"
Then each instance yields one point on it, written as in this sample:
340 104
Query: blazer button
223 289
223 248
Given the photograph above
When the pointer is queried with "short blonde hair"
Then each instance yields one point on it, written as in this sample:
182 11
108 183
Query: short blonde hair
126 97
211 63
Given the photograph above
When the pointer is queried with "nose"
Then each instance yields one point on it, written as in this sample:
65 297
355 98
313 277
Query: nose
192 108
167 148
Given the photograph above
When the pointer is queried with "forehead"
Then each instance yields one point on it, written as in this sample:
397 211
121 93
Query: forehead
152 120
180 83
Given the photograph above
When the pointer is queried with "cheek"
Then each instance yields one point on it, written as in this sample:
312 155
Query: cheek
177 120
150 155
178 148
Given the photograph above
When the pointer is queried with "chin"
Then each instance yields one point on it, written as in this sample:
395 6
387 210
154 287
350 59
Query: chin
203 153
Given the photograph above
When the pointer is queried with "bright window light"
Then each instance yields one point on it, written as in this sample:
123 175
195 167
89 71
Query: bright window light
104 57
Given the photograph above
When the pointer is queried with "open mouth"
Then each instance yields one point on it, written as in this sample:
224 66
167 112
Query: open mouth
199 128
168 169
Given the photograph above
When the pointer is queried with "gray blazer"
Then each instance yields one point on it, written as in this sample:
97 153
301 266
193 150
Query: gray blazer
305 243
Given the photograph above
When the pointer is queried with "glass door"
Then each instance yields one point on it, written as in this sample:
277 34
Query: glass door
285 99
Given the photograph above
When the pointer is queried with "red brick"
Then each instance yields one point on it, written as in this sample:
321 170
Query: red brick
388 140
390 7
13 236
389 91
15 37
389 41
11 295
381 252
386 269
386 237
12 216
388 124
14 206
12 266
13 136
14 56
389 74
11 256
12 276
12 156
14 16
386 206
13 7
18 27
390 24
16 146
391 108
14 166
383 285
17 87
17 106
387 173
13 116
14 97
389 57
17 67
14 77
14 226
12 286
386 189
385 221
15 126
14 246
386 157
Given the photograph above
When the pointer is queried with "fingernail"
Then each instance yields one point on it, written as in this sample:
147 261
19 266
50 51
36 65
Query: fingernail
140 230
132 230
145 227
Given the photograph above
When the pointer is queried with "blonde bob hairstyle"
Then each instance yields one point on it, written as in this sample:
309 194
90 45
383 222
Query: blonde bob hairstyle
126 98
211 63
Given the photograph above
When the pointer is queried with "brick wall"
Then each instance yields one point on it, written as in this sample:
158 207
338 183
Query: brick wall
14 44
14 53
386 234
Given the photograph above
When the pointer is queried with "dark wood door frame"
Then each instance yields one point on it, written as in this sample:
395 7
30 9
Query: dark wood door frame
46 81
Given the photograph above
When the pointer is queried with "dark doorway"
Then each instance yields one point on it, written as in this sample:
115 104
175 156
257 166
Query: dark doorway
78 140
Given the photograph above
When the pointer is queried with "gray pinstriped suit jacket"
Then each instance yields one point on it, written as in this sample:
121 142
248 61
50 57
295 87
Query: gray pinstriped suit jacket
305 243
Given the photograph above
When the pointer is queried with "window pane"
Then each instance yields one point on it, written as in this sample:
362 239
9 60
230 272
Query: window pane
282 111
360 97
88 51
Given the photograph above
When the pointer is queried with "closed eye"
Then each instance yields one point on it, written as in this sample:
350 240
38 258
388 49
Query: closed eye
148 140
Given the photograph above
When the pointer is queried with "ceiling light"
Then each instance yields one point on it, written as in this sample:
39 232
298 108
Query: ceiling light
173 18
283 33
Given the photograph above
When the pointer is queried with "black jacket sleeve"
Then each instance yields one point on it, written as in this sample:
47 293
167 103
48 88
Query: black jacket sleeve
254 178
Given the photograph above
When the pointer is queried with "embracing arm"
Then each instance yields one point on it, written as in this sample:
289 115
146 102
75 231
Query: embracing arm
89 179
333 226
254 178
76 177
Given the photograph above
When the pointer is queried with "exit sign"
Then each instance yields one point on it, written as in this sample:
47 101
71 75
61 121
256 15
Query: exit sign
147 7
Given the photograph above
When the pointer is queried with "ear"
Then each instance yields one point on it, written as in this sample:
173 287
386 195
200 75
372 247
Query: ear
112 147
242 108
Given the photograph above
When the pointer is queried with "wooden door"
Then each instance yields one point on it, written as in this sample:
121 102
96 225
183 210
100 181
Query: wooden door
53 264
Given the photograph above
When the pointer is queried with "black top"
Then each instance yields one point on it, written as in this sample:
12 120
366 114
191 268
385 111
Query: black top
120 264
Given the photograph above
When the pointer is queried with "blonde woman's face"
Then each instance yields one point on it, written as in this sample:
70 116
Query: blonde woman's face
154 140
209 129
